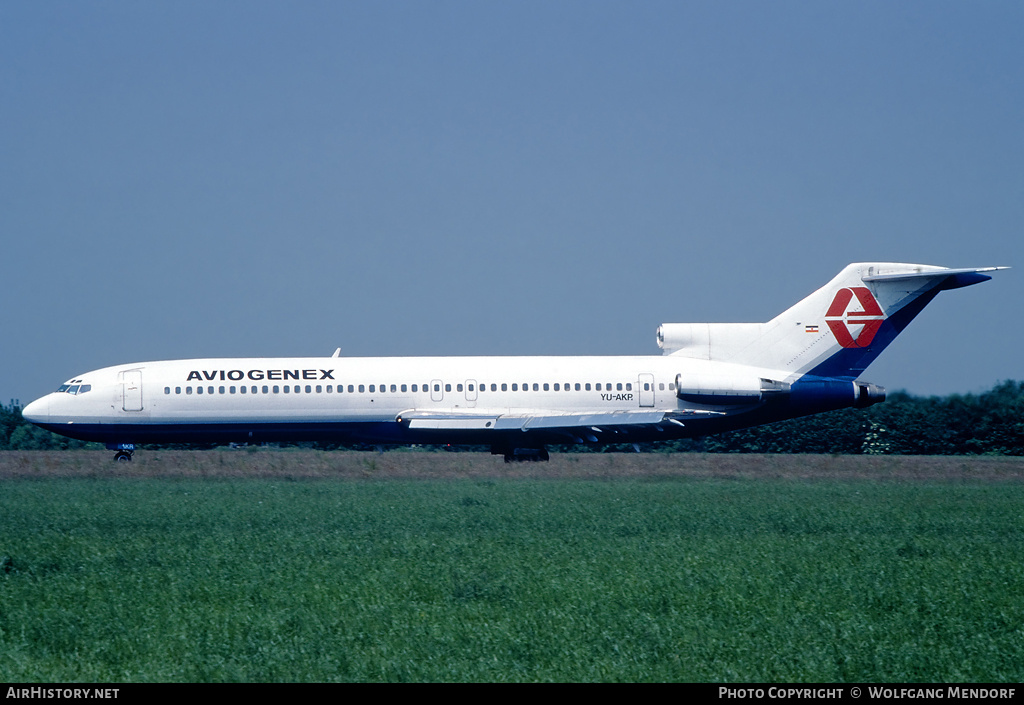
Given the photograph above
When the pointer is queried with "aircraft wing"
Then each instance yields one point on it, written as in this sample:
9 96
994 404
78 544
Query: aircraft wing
503 420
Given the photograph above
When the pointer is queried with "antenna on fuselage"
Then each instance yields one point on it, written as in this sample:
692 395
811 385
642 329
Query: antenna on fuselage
336 353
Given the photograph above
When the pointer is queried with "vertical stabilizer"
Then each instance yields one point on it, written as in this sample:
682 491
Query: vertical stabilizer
835 332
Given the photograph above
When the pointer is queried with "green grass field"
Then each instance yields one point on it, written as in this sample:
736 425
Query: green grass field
179 578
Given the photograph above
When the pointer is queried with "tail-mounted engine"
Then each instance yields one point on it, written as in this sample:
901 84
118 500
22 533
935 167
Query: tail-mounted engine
728 390
868 394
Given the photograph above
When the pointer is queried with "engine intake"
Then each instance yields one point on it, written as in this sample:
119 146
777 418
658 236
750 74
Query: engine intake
707 341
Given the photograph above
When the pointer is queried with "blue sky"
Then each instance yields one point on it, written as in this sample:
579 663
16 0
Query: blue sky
193 179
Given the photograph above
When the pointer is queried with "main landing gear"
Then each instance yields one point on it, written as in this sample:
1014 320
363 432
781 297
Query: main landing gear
521 455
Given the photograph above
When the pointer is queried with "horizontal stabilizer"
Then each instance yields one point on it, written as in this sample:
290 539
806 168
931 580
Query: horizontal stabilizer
953 278
938 272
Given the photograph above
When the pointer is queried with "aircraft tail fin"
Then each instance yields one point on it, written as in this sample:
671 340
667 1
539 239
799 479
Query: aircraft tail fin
835 332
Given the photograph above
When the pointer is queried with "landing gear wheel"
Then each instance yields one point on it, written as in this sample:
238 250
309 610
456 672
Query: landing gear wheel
528 455
123 456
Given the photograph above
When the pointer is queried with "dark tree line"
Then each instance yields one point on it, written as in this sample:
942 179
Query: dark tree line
990 423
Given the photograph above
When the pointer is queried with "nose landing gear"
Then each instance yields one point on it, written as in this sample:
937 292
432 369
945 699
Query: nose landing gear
124 451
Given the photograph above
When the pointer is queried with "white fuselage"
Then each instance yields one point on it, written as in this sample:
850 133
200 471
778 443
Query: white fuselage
712 377
380 399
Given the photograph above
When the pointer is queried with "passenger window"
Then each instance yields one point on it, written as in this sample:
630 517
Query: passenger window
242 389
209 390
494 387
351 388
394 388
597 386
415 388
587 385
618 387
167 390
447 387
221 390
231 389
177 390
199 390
405 388
276 389
515 387
504 386
536 387
266 389
188 390
372 388
363 389
458 387
557 389
629 386
320 389
309 389
578 386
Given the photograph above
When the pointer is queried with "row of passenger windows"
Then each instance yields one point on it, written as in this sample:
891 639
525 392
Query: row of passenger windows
394 388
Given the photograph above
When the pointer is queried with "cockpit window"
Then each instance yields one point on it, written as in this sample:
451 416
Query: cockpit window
75 388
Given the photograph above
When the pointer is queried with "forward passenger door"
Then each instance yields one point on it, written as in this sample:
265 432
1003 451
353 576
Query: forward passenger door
131 390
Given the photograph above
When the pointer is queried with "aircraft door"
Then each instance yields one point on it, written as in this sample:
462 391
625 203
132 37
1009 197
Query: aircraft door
436 390
131 390
645 389
471 392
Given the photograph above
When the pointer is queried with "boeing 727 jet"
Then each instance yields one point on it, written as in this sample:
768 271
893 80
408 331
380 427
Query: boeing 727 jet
710 377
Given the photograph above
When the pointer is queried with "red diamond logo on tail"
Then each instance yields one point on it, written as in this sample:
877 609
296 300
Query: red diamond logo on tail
854 308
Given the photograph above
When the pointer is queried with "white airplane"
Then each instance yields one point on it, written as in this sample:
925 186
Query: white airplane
711 377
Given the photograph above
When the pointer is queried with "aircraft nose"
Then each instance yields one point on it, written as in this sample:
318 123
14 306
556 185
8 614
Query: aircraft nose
38 411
